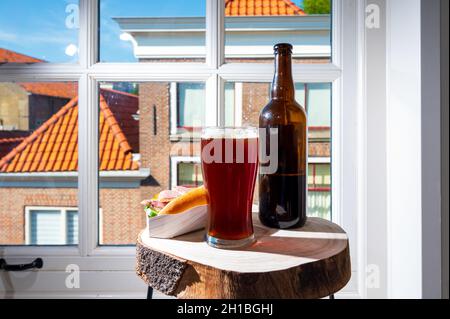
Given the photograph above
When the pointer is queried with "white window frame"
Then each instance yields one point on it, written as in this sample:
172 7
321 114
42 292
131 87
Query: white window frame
173 94
238 94
319 160
348 204
63 212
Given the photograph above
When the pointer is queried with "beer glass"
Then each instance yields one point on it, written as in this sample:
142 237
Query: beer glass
229 164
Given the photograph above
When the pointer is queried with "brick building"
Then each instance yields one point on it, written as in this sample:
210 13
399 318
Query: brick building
149 141
38 176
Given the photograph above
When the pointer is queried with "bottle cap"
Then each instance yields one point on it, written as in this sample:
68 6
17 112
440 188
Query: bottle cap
282 48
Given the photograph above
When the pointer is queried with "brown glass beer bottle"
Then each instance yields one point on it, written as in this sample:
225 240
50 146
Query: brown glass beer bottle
282 191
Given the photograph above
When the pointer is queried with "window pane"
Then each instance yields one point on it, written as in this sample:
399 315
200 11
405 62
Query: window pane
319 176
319 96
152 31
38 155
45 227
319 204
72 227
247 103
230 95
140 149
39 31
190 106
189 174
319 190
253 27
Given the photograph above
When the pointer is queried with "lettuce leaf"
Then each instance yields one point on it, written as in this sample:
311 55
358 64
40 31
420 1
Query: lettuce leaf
150 212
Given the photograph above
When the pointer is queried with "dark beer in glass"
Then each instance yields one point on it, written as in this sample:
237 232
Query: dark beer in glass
229 165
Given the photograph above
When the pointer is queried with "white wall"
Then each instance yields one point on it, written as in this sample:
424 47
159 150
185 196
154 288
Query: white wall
375 100
404 149
402 97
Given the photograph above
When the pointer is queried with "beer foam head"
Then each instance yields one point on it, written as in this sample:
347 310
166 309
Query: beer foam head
229 132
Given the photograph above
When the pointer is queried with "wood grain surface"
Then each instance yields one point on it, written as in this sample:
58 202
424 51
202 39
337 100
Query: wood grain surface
311 262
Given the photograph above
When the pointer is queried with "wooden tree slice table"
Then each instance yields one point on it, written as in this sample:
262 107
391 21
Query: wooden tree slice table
310 262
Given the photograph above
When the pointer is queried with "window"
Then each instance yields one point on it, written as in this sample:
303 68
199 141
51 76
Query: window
233 103
189 108
38 157
152 31
72 227
186 171
128 115
319 190
189 174
251 26
154 74
316 99
51 226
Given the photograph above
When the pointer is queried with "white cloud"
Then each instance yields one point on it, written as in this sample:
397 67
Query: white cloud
8 36
71 50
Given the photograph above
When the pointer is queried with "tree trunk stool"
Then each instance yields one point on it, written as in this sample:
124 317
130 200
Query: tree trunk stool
309 262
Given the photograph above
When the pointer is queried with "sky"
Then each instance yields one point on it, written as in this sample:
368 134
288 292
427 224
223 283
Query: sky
37 28
49 29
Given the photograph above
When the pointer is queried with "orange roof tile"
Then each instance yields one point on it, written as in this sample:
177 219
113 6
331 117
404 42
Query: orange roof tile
66 90
8 56
53 147
262 8
11 140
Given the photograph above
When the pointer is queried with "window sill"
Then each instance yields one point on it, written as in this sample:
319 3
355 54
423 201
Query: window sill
185 137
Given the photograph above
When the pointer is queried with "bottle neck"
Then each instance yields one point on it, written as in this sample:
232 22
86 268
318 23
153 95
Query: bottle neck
283 83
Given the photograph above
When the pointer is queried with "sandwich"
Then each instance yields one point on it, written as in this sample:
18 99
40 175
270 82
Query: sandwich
175 201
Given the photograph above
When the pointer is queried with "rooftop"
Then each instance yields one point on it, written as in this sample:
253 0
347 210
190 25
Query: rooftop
261 8
53 147
66 90
7 56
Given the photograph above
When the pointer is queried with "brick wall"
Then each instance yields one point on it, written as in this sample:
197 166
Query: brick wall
156 150
12 208
122 213
122 216
254 97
